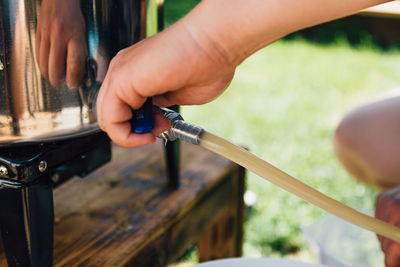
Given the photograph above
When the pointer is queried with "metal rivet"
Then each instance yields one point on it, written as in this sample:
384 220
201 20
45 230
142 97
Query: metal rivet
42 166
3 171
55 178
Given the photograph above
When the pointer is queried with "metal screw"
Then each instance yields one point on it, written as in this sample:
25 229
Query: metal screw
42 166
3 171
55 178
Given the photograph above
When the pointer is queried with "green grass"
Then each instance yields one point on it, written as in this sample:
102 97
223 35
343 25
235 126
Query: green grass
284 104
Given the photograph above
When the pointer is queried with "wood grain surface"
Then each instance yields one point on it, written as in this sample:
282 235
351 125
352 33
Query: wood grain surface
124 214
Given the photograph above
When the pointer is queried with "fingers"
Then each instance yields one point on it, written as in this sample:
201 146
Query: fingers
43 60
112 110
387 209
164 67
76 56
161 123
121 134
114 118
194 95
392 255
55 57
60 42
115 102
57 62
120 130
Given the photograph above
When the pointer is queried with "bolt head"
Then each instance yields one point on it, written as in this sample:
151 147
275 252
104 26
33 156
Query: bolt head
55 178
42 166
3 171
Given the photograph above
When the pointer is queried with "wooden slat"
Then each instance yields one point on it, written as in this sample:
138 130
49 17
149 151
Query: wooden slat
224 238
124 212
173 242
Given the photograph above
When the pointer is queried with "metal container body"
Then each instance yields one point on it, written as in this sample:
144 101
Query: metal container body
31 108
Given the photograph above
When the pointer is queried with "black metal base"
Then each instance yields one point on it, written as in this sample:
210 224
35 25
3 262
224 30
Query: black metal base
172 157
28 174
27 223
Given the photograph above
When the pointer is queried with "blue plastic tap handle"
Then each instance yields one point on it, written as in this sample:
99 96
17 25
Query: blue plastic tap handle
142 119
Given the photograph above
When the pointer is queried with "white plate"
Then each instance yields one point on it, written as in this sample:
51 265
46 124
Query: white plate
261 262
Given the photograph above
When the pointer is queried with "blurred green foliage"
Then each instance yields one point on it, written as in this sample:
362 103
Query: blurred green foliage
175 9
379 32
284 104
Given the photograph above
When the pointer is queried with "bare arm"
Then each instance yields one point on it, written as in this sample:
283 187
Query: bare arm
246 26
194 60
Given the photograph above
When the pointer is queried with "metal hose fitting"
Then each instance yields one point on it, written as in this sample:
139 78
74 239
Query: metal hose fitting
180 129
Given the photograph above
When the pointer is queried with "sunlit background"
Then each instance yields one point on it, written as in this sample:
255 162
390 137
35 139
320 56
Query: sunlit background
284 105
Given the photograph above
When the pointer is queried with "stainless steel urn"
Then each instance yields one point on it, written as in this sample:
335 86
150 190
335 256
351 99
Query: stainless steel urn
34 48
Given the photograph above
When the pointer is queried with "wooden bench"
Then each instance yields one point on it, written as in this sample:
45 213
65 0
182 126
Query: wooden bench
124 214
383 22
386 10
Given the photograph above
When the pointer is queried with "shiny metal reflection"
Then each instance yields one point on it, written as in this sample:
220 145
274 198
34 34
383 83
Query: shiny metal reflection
45 78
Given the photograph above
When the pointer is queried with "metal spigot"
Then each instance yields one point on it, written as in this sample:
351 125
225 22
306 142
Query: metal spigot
180 129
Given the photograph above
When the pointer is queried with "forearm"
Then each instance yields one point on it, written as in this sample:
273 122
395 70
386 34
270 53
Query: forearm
193 61
239 28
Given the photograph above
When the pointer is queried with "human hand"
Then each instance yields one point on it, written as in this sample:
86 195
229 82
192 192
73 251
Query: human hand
173 67
193 61
388 209
61 43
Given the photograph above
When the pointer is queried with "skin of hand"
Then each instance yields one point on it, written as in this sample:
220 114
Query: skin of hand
388 209
61 43
194 60
150 68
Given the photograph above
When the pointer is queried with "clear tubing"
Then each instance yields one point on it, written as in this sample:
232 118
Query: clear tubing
294 186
